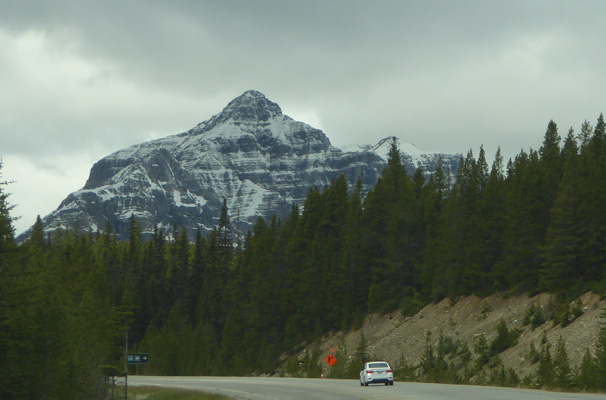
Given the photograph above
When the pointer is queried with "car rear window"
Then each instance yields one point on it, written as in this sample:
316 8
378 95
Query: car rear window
377 365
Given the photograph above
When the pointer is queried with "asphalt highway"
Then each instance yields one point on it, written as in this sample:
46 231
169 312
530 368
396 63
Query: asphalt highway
340 389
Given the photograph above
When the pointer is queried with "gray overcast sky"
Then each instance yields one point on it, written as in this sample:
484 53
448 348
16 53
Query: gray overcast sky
81 79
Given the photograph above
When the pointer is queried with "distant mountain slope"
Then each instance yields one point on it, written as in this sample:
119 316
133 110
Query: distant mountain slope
411 157
251 154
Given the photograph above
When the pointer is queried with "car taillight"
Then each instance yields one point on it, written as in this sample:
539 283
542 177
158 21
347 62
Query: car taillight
370 372
389 370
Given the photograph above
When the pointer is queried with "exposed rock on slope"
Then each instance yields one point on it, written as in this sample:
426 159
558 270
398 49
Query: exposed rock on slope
392 336
251 154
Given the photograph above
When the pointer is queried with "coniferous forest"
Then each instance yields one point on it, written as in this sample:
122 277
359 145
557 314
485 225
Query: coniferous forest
221 305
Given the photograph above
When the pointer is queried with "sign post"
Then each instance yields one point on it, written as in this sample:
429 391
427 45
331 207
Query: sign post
126 365
331 359
135 358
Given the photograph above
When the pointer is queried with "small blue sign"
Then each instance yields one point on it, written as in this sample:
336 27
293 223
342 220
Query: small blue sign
138 358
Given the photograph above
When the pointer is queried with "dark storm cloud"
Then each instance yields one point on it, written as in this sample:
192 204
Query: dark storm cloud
316 49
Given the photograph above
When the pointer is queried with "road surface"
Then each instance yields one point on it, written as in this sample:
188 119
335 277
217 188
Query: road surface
341 389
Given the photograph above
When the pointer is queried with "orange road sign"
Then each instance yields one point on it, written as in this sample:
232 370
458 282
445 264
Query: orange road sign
330 360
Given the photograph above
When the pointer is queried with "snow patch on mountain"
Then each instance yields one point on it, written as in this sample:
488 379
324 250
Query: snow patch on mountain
259 160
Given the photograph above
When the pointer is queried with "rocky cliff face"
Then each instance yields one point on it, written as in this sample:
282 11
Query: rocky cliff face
258 159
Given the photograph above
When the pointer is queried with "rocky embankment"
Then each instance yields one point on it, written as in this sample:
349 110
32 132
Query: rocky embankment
392 336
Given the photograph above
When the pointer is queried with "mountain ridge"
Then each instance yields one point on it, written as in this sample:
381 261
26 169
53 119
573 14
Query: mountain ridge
250 153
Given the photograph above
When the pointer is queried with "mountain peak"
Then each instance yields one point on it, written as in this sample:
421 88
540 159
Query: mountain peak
250 153
251 105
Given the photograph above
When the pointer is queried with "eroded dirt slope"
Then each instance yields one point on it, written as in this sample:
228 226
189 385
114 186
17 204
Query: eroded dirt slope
391 336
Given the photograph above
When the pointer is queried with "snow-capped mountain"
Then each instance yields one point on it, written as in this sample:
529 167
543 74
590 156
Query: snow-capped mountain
412 158
258 159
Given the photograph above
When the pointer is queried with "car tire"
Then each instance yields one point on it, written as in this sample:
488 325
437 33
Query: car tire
386 383
390 383
365 383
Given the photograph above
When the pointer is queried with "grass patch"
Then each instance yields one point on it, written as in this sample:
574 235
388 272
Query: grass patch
157 393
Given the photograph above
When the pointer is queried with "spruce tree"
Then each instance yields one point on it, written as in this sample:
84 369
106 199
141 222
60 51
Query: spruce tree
545 370
592 197
563 375
600 360
584 137
482 349
195 283
36 239
523 230
362 354
14 312
551 162
491 207
598 138
7 232
352 245
562 252
587 378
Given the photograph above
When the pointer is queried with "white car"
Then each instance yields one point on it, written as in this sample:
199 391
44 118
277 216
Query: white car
376 372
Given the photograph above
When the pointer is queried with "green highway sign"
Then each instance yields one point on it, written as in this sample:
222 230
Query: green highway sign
137 358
